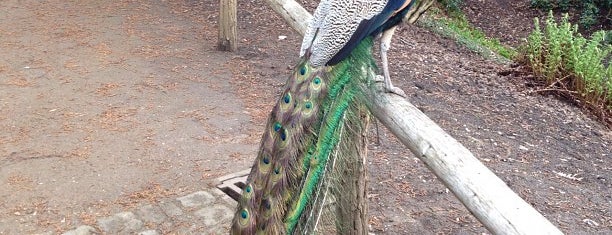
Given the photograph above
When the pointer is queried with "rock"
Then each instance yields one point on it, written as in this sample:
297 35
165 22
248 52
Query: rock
590 222
151 214
214 215
124 222
149 232
197 199
45 233
82 230
171 209
203 211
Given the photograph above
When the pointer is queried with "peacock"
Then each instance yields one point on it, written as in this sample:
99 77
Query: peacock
316 124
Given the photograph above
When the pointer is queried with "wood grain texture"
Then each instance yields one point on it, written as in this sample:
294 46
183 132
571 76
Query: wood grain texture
227 25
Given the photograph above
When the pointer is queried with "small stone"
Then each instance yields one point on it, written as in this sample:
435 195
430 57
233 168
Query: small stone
82 230
85 230
197 199
121 222
109 224
590 222
151 214
125 215
133 225
171 209
149 232
45 233
217 214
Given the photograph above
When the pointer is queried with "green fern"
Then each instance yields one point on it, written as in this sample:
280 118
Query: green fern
561 55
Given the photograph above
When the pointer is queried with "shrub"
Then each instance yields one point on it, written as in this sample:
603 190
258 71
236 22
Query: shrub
451 5
590 11
565 59
542 4
457 27
588 17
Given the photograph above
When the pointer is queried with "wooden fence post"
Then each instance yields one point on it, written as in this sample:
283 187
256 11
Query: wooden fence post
227 25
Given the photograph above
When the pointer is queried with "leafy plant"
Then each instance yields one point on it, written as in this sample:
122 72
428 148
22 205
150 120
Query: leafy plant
451 5
589 14
457 27
591 11
461 26
564 5
542 4
568 61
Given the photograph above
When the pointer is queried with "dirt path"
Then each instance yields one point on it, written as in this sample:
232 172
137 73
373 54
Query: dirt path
105 106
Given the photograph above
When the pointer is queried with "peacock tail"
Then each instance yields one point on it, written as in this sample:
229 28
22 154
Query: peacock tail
309 150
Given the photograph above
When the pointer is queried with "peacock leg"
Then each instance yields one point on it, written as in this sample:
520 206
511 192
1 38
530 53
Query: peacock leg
385 45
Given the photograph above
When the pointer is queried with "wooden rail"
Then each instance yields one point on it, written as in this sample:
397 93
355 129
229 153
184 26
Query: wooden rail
485 195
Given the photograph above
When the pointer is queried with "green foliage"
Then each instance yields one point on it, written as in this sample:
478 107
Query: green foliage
542 4
564 58
590 10
589 14
451 5
564 5
459 29
461 26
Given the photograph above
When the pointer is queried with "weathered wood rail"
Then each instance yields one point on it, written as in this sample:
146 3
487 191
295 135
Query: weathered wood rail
228 32
486 196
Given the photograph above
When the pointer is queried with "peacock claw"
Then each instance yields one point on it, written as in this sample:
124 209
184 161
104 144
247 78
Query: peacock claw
390 88
396 90
379 78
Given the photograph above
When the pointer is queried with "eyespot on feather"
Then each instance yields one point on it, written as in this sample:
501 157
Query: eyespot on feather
244 217
316 84
248 192
264 164
285 102
277 126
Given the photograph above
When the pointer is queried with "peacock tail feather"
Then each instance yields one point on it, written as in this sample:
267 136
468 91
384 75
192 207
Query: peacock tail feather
310 147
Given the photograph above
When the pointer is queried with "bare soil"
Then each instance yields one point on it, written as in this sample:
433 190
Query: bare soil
108 105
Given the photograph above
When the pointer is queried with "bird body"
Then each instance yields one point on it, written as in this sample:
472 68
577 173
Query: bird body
309 132
316 122
338 26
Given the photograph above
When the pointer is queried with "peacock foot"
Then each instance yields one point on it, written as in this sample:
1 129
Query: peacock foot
390 88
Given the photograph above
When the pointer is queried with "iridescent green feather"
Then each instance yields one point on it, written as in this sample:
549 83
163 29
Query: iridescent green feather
347 79
309 131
